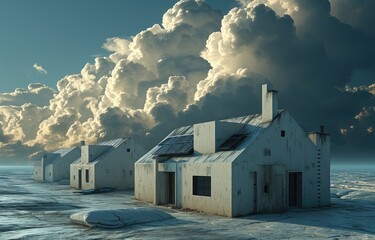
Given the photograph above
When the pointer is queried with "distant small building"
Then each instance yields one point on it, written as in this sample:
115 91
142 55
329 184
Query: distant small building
56 166
38 171
239 166
107 164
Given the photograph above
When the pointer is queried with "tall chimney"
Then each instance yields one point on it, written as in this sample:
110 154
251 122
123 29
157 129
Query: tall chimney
269 103
82 143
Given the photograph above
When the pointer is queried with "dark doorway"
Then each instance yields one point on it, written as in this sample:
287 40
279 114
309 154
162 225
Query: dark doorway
295 189
255 192
79 179
171 188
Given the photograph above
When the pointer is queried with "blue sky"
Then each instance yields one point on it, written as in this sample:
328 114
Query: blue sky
62 36
202 65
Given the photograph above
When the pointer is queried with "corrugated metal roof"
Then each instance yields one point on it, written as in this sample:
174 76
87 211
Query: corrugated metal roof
64 151
78 161
253 128
114 143
59 154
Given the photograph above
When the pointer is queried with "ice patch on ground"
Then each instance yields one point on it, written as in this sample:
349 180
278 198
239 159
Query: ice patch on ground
117 218
35 210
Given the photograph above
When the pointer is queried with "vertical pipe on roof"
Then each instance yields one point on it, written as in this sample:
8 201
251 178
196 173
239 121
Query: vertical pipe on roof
269 103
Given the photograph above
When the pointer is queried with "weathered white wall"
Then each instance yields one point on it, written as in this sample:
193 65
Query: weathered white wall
114 168
144 182
74 175
204 137
48 173
59 169
91 170
38 171
117 170
220 201
295 152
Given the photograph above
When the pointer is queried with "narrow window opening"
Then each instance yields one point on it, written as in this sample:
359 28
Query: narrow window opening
267 152
266 188
282 133
202 186
74 177
87 176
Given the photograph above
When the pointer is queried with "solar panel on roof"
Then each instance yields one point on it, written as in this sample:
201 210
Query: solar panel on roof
232 142
176 145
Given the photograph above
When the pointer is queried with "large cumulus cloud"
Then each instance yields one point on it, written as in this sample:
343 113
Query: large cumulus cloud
36 93
21 112
359 13
121 94
199 65
309 55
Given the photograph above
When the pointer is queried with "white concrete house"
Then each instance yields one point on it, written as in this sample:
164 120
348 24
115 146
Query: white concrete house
234 167
108 164
55 166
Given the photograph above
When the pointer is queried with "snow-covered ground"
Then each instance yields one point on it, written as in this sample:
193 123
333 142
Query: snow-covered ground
30 210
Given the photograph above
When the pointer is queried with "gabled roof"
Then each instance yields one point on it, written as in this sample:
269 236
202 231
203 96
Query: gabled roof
61 153
64 151
253 127
115 143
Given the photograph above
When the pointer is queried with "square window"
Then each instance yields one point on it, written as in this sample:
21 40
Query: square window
202 186
128 150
